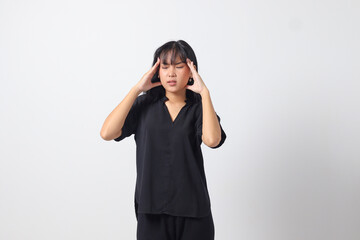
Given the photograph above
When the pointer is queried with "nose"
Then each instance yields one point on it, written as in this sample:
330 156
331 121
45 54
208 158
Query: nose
171 72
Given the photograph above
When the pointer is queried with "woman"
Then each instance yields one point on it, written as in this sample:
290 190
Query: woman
169 122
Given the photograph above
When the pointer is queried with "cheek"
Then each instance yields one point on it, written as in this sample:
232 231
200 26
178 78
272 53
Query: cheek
185 72
162 71
162 75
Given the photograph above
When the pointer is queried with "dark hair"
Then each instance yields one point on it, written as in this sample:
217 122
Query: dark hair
178 48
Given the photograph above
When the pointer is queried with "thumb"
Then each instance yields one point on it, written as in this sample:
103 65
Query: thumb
155 84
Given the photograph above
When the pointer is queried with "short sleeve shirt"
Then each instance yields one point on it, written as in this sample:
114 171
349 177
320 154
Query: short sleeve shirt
169 162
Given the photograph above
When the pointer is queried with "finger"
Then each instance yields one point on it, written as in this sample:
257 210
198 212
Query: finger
190 63
157 62
155 84
154 68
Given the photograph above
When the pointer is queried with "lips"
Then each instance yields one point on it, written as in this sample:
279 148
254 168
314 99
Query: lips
171 82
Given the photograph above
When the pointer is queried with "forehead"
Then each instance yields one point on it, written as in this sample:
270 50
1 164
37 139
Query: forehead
170 57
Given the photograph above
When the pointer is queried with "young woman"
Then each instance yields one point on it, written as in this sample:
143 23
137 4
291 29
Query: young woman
169 122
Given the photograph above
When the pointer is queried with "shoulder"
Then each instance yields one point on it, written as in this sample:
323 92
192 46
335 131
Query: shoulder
143 102
142 99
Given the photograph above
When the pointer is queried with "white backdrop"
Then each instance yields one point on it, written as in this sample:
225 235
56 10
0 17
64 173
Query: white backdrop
283 76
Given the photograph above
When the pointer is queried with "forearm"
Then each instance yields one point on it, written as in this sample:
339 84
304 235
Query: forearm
210 128
115 121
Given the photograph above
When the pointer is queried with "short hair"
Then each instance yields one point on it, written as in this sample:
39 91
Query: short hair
178 48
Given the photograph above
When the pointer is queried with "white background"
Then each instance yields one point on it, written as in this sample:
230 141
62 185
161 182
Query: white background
283 76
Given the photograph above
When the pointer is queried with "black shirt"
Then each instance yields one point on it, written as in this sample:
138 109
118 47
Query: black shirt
169 162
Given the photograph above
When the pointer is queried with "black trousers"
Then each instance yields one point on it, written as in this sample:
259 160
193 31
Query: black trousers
168 227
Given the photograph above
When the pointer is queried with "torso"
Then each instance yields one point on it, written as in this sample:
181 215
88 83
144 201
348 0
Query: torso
174 109
169 160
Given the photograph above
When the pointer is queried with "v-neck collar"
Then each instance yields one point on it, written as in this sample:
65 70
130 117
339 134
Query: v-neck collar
163 99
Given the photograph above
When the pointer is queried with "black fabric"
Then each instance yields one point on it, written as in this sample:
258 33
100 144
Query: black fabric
167 227
169 162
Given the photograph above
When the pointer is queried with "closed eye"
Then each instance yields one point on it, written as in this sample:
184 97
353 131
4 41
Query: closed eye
166 67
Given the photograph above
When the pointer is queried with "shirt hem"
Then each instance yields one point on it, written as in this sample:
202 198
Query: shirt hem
176 214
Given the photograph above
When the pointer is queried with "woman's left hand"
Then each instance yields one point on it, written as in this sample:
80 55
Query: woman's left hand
198 85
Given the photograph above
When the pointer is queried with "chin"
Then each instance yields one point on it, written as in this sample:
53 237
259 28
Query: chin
174 89
171 89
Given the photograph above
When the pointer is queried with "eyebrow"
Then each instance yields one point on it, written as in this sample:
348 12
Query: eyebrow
165 63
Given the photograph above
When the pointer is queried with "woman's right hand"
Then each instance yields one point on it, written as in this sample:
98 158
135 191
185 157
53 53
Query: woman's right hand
145 82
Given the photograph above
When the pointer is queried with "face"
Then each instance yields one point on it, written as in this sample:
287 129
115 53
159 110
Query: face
174 77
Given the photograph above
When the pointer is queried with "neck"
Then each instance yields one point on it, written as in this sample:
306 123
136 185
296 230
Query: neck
176 97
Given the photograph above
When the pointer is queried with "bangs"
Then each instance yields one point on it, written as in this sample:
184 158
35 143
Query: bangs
175 52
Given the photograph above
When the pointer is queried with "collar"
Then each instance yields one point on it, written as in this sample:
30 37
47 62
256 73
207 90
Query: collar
164 98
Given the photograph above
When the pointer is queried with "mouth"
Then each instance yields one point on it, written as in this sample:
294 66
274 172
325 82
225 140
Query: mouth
171 82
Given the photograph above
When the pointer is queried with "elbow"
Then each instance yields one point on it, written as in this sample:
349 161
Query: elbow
214 142
104 135
211 142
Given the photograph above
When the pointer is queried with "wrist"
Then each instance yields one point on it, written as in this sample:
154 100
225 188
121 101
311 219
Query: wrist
137 89
204 91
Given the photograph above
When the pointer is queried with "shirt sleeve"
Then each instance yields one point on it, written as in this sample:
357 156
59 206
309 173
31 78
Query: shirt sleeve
132 119
199 128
